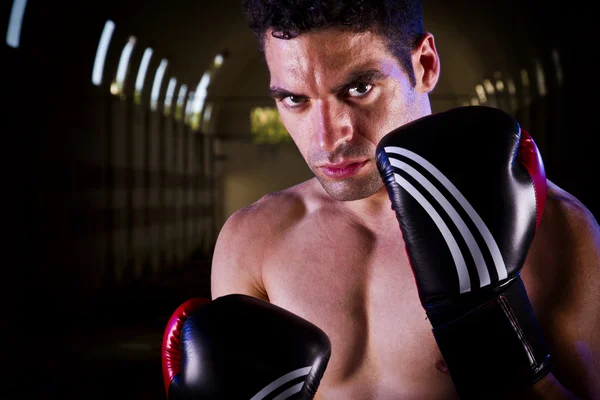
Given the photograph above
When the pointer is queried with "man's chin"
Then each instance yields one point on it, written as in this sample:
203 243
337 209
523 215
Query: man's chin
351 189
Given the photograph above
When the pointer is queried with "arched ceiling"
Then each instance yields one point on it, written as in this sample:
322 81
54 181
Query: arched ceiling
474 40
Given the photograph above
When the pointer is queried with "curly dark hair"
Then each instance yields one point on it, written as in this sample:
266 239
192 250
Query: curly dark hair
399 21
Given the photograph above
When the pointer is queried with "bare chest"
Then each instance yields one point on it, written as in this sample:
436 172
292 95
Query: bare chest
360 290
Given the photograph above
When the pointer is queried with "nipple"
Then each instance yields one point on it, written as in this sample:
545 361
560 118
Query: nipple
441 366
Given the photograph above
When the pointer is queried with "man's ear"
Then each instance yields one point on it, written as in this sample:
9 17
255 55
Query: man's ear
426 64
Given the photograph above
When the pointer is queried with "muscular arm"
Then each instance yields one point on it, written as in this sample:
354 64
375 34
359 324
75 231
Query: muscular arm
236 265
565 278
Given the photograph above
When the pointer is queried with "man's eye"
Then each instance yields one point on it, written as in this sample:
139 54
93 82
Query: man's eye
293 101
360 90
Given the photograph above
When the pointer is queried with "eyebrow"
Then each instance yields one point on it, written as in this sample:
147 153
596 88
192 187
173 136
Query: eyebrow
277 92
358 76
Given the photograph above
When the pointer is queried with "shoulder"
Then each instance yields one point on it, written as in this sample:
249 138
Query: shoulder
568 235
247 236
564 277
564 261
568 219
270 214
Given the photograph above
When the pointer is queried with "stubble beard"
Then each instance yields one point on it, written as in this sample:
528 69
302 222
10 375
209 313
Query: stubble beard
353 188
365 184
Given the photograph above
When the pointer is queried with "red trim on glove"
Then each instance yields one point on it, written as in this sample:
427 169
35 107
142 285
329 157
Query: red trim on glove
171 344
529 156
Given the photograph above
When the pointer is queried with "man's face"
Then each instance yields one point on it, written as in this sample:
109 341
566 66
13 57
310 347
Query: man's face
338 93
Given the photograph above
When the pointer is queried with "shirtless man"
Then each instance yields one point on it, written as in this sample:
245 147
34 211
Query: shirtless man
329 250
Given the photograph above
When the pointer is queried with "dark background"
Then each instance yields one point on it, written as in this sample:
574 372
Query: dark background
72 328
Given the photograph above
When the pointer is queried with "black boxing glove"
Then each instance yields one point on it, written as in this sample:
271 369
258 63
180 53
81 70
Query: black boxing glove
240 347
468 187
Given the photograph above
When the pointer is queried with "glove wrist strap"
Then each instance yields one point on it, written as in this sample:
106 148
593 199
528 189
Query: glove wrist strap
496 347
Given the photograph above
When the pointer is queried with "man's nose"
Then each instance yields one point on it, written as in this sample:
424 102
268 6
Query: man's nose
333 125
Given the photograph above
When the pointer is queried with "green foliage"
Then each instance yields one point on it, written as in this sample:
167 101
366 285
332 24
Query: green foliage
266 126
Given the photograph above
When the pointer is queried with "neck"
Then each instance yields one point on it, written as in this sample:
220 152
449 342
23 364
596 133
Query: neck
375 210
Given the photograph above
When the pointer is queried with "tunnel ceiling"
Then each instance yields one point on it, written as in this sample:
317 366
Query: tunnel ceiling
473 40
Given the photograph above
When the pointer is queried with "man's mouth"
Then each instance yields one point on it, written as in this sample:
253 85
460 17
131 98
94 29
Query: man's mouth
343 170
